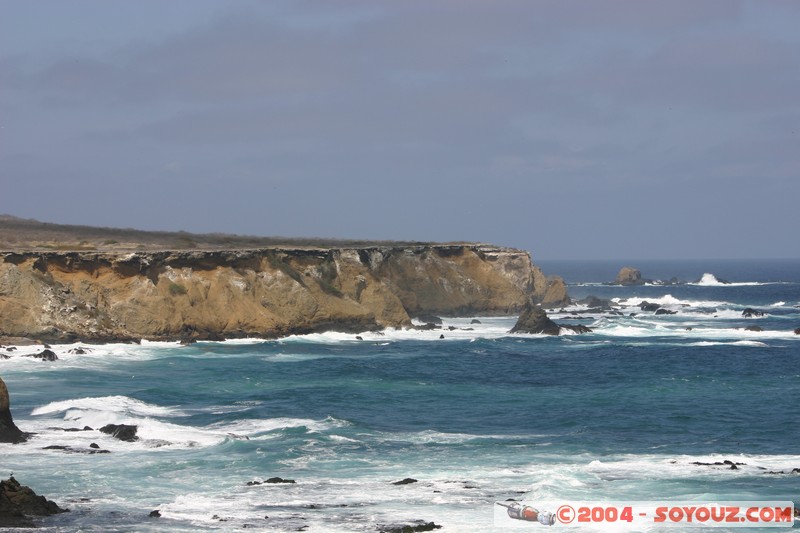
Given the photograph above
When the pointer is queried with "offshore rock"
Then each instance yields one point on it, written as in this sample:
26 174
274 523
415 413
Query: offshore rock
629 276
9 432
271 292
18 501
124 432
534 320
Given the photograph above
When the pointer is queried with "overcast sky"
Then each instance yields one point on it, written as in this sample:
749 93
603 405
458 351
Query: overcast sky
573 129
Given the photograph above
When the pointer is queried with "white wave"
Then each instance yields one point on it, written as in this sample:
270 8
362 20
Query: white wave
710 280
255 427
488 328
113 404
668 300
733 343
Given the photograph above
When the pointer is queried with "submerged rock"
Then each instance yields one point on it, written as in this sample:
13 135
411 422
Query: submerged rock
750 312
406 481
9 432
419 526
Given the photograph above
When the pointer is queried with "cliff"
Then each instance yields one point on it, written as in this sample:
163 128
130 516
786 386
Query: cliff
268 292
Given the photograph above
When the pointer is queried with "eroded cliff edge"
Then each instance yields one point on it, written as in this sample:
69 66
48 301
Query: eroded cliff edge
104 296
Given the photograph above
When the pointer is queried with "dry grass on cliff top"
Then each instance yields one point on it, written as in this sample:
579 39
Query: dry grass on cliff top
17 234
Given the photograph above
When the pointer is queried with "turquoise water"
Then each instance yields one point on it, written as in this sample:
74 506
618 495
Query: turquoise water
477 417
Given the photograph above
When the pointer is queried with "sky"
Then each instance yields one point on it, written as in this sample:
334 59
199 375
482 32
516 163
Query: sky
573 129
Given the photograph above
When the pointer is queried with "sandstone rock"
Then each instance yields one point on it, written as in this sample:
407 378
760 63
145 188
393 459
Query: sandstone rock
200 295
556 294
534 320
9 432
629 276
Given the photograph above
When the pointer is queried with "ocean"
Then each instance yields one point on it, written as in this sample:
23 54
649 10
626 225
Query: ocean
624 413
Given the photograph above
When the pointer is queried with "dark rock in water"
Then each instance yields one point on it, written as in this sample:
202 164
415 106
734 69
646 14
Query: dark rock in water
593 302
750 312
753 328
441 336
797 331
647 306
359 338
629 276
79 351
69 449
279 480
121 431
474 321
578 328
794 471
421 525
17 502
45 355
155 514
429 319
534 320
427 327
662 311
9 432
726 462
406 481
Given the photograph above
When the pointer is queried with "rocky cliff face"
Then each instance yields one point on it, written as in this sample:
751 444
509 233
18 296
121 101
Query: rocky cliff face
101 296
